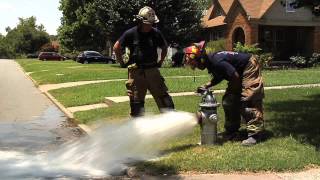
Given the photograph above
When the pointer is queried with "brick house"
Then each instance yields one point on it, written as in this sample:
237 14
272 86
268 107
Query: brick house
273 24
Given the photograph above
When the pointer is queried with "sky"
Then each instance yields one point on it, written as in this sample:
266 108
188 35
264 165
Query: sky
46 12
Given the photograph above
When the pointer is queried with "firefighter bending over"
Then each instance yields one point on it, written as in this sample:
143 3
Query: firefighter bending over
245 92
143 73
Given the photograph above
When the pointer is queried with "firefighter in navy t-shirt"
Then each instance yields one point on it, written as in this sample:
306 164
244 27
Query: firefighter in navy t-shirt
245 92
143 41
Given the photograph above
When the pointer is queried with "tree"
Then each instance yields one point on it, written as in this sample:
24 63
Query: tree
90 24
27 37
4 50
81 27
314 5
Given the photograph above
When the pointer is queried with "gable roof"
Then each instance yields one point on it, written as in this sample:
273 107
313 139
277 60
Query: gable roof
226 5
255 8
207 21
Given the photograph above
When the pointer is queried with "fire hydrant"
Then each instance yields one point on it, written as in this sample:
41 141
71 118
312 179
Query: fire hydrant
208 118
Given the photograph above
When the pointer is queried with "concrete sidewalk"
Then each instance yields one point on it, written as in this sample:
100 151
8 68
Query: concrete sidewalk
311 174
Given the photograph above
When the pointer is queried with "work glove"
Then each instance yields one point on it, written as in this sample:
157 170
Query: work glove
201 89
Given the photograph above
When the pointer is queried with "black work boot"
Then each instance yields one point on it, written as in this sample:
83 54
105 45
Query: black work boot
229 135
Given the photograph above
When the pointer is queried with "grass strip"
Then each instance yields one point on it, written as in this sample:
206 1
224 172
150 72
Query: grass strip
52 72
292 124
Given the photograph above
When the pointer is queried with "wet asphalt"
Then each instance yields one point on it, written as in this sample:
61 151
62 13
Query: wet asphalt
29 121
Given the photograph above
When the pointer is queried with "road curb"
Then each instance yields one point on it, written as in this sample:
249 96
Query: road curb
83 128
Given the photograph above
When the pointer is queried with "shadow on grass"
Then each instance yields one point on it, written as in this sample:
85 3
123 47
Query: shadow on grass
298 118
156 168
243 134
178 148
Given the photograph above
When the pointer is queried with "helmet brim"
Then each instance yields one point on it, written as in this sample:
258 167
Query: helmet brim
156 20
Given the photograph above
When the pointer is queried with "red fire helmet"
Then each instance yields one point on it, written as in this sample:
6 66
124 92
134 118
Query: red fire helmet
194 51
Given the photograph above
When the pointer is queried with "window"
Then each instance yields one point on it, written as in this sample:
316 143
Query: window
267 35
216 35
290 6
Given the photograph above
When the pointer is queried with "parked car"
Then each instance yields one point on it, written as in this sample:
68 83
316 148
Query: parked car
50 56
87 57
32 55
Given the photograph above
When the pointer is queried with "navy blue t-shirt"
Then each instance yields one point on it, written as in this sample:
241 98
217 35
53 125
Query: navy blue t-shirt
142 45
222 65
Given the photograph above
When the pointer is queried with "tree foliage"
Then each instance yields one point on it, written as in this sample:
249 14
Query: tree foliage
90 24
4 49
26 37
313 4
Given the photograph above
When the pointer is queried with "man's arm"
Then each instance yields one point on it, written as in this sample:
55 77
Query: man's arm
118 51
235 82
213 82
164 51
162 43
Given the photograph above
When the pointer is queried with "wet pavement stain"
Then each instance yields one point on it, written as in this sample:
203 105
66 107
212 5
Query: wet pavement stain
41 134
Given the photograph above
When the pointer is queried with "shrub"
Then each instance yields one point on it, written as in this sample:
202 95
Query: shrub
70 55
214 46
167 63
302 62
315 59
252 49
299 61
264 59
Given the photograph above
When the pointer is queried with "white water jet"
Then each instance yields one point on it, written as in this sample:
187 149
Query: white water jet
105 152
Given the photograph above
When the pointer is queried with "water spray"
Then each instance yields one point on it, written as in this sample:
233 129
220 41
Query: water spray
107 151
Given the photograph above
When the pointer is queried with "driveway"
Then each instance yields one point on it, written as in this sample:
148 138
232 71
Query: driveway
29 121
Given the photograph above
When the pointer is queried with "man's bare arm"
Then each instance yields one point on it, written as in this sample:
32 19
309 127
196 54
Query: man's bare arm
164 51
117 50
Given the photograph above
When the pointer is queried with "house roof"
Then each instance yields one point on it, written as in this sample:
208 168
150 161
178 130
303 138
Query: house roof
254 8
226 5
211 22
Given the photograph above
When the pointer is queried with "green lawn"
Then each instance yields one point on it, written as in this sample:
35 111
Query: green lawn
95 93
292 136
292 117
52 72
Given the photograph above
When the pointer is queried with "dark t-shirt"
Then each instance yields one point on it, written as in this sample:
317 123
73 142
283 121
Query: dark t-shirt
223 64
142 45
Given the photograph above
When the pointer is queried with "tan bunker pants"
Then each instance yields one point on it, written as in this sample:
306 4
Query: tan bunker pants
141 80
245 102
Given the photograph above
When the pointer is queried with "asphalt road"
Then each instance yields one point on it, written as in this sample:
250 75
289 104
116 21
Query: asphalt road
29 121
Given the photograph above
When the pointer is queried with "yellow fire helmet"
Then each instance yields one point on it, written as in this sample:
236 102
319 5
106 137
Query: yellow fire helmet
147 15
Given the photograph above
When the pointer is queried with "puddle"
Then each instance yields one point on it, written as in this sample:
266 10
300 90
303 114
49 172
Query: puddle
105 152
